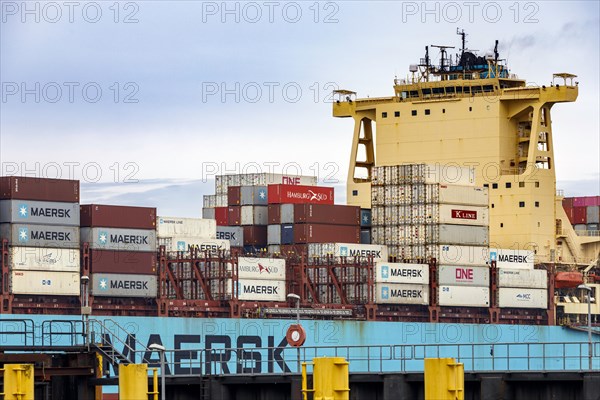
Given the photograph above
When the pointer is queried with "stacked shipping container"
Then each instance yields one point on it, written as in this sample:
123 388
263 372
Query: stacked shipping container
584 213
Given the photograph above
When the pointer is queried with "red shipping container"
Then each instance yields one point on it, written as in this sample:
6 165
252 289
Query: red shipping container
569 212
320 233
100 215
567 202
327 214
122 262
234 215
589 201
39 189
233 195
290 250
597 201
221 216
299 194
255 235
579 215
274 214
578 201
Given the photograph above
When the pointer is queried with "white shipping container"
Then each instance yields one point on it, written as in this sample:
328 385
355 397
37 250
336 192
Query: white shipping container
186 244
287 213
254 215
66 237
221 200
258 290
124 285
261 268
507 258
208 213
459 255
453 275
457 214
454 194
402 273
39 212
376 251
457 234
209 201
195 227
522 298
450 174
399 293
523 278
464 296
44 259
45 283
119 239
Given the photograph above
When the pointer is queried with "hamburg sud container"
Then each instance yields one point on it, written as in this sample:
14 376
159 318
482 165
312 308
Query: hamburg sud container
261 279
456 214
300 194
45 283
464 296
507 258
123 285
523 278
399 293
522 298
97 215
40 189
189 227
326 214
453 275
43 258
254 215
120 239
186 244
65 237
417 274
39 212
459 255
321 233
233 234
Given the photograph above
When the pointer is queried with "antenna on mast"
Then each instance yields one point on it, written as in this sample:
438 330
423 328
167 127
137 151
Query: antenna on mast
463 36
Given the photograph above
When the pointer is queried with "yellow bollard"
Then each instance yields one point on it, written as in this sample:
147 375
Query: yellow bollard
133 381
18 382
330 379
444 379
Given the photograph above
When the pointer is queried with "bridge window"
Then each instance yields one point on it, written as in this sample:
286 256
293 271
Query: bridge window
521 184
537 203
488 88
508 185
476 89
459 89
521 204
494 186
427 111
470 108
443 111
355 193
466 89
426 92
384 114
438 90
396 114
414 93
414 113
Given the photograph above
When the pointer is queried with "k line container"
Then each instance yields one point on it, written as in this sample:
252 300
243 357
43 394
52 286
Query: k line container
261 268
122 262
187 244
44 259
523 278
40 189
39 212
453 275
254 215
417 274
456 214
233 234
197 227
457 234
66 237
507 258
255 235
464 296
45 283
522 298
120 239
98 215
459 255
326 214
260 290
454 194
254 195
300 194
321 233
124 285
398 293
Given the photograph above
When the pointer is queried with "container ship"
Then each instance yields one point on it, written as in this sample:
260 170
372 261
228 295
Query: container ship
454 232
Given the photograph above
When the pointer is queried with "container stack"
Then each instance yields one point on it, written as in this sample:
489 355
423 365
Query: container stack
520 285
584 214
40 220
122 242
401 283
259 279
184 235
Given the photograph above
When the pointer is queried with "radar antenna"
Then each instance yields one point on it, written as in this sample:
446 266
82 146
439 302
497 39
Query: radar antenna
444 62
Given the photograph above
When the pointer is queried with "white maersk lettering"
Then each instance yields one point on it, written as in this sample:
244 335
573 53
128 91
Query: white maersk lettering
129 239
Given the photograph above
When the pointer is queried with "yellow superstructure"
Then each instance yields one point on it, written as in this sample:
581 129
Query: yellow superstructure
474 114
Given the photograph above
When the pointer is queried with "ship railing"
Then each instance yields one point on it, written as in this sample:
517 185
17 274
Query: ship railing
19 330
587 232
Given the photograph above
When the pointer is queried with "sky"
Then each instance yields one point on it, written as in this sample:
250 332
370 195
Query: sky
146 101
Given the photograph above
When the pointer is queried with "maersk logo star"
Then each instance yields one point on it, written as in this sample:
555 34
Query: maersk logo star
23 235
180 246
343 251
385 292
366 219
102 237
493 255
385 271
262 194
103 284
23 211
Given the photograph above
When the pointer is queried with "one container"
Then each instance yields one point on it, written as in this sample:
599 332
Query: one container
124 285
39 212
456 214
233 196
119 239
589 201
122 262
507 258
45 283
40 189
522 298
579 215
287 234
255 235
254 215
453 275
266 178
261 268
287 213
175 226
592 214
402 273
208 213
93 215
260 290
44 259
221 216
254 195
321 233
523 278
464 296
65 237
398 293
454 194
187 244
234 215
300 194
459 255
457 234
274 234
233 234
274 214
326 214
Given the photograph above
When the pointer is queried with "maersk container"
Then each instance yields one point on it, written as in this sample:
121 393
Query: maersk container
399 293
124 285
254 195
44 259
365 217
522 298
454 275
261 268
196 227
119 239
202 245
233 234
457 234
523 278
39 212
45 283
456 214
508 258
254 215
402 273
258 290
39 189
208 213
454 194
593 216
459 255
65 237
99 215
464 296
274 234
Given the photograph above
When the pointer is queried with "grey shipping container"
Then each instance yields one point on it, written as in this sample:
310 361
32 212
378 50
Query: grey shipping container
287 214
124 285
208 213
235 235
39 212
457 234
119 239
254 215
274 234
592 214
62 237
253 195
